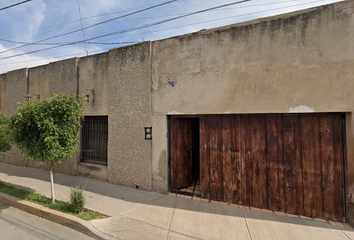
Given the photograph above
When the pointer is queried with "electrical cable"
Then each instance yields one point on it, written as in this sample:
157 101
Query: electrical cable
94 25
219 19
82 26
132 29
69 43
241 15
68 23
13 5
60 25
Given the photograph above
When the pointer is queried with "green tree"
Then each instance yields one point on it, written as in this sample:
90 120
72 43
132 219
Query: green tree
48 129
5 133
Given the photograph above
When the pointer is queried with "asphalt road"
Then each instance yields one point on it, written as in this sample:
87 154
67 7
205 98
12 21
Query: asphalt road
16 224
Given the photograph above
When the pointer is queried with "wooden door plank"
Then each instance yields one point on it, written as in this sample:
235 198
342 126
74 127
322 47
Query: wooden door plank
328 166
258 155
213 139
173 138
298 166
338 157
236 157
204 157
245 145
228 166
307 163
289 154
274 158
311 175
318 201
216 168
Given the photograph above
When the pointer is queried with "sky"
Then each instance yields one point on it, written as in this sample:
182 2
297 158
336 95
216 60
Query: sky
37 32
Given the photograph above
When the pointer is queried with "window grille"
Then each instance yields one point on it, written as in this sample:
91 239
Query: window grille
94 139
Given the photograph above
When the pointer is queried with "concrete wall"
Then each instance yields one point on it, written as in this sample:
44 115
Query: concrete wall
93 81
38 82
3 94
63 77
93 75
58 77
16 91
129 90
299 62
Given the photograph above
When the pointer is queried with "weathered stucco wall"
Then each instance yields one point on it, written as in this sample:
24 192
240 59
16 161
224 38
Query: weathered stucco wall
3 94
59 77
16 89
129 90
16 92
63 77
38 82
299 62
93 75
93 81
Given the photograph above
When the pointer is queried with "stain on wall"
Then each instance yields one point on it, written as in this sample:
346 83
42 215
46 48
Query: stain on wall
163 165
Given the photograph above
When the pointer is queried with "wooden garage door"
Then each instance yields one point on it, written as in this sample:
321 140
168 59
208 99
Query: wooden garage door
290 163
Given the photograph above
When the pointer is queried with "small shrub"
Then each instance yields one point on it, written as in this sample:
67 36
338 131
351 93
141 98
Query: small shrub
77 199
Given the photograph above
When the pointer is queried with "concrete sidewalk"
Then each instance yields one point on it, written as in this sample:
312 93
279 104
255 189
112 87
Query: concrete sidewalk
139 215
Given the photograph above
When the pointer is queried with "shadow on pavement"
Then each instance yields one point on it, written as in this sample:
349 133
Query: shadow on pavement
130 195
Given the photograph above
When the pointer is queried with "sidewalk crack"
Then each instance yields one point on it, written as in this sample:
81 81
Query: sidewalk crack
343 232
173 213
248 229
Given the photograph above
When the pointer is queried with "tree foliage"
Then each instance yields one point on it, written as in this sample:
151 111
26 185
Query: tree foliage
5 133
48 129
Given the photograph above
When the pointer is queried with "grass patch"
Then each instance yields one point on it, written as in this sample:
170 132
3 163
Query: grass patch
61 206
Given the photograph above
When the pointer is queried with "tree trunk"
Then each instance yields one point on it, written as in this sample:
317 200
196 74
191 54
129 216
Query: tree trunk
52 182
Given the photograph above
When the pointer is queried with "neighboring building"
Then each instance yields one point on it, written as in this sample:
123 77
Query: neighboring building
261 112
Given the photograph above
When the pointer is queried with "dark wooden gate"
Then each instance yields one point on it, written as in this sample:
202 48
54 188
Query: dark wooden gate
181 152
289 163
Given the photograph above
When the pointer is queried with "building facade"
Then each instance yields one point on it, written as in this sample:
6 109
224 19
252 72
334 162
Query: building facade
260 112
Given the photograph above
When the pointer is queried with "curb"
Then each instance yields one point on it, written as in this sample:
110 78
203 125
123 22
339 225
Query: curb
55 216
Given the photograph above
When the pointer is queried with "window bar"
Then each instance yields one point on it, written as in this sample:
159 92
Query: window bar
94 139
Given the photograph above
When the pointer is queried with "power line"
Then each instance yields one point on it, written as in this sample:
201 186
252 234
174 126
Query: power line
68 23
13 5
241 15
94 25
213 20
82 27
219 19
133 29
68 43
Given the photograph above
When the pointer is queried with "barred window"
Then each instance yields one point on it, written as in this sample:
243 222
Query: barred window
94 139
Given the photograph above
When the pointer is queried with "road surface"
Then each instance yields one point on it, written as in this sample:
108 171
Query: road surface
16 224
